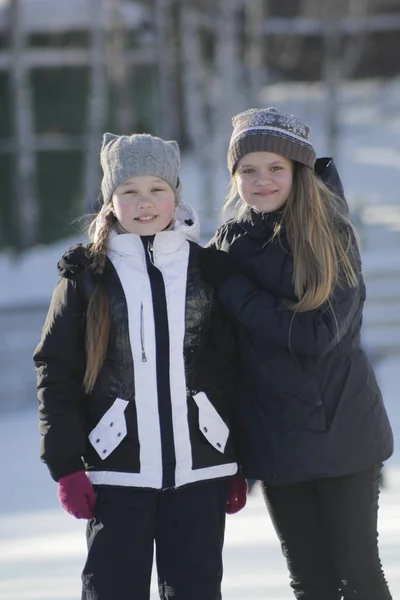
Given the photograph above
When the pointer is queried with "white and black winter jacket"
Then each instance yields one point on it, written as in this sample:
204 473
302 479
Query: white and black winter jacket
158 416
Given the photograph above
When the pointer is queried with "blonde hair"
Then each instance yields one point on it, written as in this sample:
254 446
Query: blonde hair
321 238
98 318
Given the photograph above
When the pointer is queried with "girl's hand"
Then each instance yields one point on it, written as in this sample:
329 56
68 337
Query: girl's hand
76 495
237 495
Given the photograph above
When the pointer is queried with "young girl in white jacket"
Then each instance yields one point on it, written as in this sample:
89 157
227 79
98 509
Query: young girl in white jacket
135 382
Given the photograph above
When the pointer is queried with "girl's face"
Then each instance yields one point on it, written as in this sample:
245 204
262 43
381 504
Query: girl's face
144 204
264 180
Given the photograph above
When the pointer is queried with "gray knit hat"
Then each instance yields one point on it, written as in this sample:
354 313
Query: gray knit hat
268 130
125 156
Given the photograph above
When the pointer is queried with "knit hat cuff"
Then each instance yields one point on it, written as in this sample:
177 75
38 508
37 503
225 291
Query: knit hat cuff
281 144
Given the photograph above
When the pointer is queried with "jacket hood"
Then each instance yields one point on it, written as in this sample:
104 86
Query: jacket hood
327 172
187 222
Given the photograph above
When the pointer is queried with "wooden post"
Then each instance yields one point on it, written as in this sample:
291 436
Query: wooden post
227 96
358 9
338 63
197 126
332 77
193 77
167 101
255 44
97 106
117 71
26 201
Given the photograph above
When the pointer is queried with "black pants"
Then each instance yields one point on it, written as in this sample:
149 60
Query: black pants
187 526
328 532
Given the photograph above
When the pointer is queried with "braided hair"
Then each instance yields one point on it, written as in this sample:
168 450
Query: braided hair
98 318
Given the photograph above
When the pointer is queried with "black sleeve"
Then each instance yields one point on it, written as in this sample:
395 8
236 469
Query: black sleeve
223 332
271 323
225 345
60 365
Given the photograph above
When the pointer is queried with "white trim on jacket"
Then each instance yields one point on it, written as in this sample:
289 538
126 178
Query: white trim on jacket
170 255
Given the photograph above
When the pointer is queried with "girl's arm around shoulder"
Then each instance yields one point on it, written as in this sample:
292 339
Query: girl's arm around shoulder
268 318
60 365
212 265
224 340
272 323
222 334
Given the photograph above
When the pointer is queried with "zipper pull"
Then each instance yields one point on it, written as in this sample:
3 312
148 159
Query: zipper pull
144 357
150 250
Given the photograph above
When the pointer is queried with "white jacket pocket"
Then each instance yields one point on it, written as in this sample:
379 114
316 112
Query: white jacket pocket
211 425
110 430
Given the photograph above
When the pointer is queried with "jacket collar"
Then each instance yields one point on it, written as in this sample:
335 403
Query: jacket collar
186 227
130 244
258 224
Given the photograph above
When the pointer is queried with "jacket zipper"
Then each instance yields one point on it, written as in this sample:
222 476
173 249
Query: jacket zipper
150 250
144 357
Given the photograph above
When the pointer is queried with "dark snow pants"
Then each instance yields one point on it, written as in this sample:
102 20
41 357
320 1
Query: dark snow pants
328 532
187 526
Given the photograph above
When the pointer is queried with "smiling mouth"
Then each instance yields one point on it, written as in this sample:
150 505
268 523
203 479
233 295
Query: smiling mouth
269 193
146 219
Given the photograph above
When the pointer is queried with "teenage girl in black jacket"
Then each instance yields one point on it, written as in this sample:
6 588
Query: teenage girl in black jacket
311 423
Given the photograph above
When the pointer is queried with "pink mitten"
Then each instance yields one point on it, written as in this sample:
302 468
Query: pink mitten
76 495
237 495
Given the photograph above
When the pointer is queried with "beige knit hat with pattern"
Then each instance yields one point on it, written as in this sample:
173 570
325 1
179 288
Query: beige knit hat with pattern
268 130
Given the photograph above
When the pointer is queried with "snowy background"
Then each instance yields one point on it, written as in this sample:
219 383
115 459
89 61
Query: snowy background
42 549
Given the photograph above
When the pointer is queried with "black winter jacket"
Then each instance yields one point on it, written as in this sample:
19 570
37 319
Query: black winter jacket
311 407
158 416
